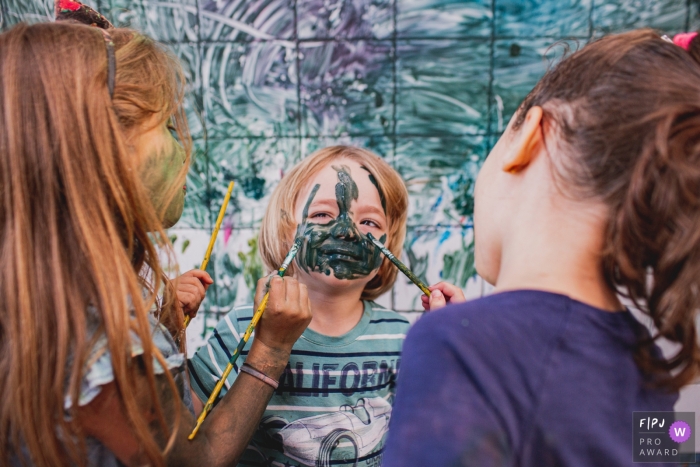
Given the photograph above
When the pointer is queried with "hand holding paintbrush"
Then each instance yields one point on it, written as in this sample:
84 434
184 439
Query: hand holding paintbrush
244 339
442 294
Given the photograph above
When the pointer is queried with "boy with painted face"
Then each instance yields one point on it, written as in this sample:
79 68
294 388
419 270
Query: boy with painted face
337 247
334 399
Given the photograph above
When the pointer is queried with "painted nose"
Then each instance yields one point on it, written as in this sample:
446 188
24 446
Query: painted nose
345 229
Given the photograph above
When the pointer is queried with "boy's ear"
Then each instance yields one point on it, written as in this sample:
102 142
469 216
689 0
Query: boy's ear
526 142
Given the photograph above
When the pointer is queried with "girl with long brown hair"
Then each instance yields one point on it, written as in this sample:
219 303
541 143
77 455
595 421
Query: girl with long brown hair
592 192
90 175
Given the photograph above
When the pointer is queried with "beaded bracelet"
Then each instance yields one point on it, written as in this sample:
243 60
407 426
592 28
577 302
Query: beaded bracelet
246 368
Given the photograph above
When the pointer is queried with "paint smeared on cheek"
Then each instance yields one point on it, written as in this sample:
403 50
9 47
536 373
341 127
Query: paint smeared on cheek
159 173
338 246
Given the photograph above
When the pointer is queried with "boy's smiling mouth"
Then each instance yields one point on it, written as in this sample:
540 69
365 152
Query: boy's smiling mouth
339 251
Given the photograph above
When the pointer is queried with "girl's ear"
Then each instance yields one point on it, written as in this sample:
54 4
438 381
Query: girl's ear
526 142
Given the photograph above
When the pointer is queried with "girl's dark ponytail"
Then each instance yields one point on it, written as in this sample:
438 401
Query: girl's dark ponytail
627 113
654 242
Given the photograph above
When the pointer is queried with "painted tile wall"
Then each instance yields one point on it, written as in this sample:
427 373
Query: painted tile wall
427 84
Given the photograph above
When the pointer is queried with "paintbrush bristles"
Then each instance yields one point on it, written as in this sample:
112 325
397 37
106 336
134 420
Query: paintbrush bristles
290 256
402 267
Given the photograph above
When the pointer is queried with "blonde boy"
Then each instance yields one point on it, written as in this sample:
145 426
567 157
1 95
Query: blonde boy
334 400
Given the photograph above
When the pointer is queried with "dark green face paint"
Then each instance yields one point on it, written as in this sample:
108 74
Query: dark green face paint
379 190
338 246
376 185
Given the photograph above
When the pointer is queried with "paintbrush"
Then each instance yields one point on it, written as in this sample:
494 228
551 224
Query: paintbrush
219 220
256 317
402 267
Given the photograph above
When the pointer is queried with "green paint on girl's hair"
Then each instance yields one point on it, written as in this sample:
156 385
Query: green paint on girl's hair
338 246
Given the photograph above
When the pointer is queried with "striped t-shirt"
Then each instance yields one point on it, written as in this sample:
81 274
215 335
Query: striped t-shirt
333 403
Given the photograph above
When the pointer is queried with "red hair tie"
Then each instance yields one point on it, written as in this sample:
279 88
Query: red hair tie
69 5
683 40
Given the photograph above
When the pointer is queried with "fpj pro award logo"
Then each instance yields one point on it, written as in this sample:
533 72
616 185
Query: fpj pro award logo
664 437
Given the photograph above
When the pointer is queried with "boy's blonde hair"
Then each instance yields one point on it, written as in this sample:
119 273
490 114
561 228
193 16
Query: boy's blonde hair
279 226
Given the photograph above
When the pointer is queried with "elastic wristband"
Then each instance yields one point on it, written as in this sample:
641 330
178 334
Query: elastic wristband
245 368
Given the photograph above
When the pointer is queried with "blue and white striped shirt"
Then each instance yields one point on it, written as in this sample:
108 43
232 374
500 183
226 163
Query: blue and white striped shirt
334 400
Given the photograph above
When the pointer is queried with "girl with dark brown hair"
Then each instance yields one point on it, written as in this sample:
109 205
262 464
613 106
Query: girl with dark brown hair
90 174
592 193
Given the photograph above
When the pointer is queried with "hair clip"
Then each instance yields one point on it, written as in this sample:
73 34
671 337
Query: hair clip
76 12
683 40
111 62
71 10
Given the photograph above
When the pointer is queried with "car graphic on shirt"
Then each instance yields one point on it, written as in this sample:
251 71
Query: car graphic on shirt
348 434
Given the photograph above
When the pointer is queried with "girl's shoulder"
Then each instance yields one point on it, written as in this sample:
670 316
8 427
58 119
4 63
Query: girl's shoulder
496 311
98 367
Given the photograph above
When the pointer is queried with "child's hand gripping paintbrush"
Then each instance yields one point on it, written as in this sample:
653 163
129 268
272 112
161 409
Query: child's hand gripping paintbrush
443 294
244 339
212 240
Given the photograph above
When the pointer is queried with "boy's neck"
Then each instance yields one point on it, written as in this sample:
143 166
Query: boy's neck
335 314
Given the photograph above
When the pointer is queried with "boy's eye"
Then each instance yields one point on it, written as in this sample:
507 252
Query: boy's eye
320 215
370 223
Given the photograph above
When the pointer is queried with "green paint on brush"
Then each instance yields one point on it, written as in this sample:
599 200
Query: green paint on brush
337 246
402 267
290 256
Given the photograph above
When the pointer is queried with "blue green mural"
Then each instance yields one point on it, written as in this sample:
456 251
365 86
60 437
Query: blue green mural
426 84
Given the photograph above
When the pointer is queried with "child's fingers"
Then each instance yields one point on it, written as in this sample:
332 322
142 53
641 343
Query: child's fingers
452 293
260 290
437 300
189 304
304 301
192 282
425 302
288 313
277 294
190 289
291 292
185 298
203 276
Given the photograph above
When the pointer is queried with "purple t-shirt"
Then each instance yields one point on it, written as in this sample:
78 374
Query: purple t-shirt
523 378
